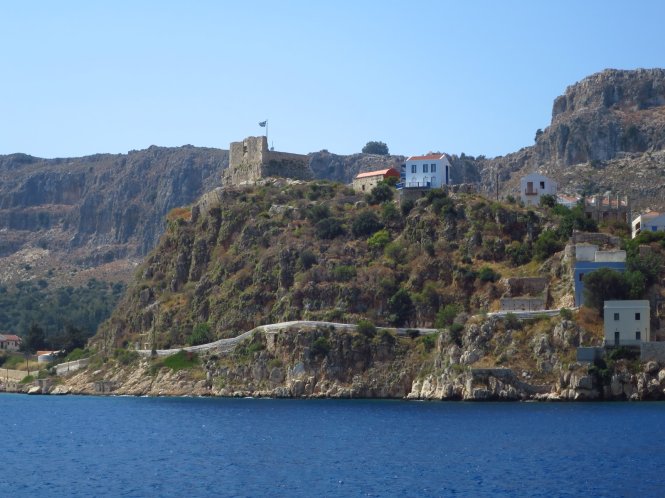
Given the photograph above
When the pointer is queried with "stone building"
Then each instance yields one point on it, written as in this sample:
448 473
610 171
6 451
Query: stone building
365 182
606 208
251 161
626 323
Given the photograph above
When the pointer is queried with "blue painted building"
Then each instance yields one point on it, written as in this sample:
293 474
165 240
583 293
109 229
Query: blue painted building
584 268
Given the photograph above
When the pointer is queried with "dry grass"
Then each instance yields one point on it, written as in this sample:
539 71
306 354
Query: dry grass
180 213
589 320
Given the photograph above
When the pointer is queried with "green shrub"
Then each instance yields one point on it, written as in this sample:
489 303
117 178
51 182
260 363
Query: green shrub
406 207
518 253
320 347
366 328
390 214
344 273
182 360
329 228
566 314
77 354
307 259
381 193
546 245
126 356
200 334
366 223
429 341
446 315
27 379
395 251
512 322
456 331
379 240
318 212
487 274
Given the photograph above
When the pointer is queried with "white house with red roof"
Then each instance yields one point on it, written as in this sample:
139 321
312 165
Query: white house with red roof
429 171
9 342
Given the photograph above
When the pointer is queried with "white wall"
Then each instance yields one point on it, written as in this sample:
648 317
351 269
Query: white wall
585 252
541 185
610 256
626 325
648 224
419 178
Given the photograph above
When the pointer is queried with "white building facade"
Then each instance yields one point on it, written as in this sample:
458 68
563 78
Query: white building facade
626 323
534 186
650 221
430 171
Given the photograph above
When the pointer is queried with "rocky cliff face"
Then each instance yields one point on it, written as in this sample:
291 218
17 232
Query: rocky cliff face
97 209
607 132
488 361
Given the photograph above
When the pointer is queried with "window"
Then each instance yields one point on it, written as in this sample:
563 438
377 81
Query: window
433 170
638 336
637 317
414 168
654 229
542 185
581 276
425 168
616 317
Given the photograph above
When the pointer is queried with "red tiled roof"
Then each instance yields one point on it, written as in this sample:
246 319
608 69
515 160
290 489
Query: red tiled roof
429 157
9 337
381 172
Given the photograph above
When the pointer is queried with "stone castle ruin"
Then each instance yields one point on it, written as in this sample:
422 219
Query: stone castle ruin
251 161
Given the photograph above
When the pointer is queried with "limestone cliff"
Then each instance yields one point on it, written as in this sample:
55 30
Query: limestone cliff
607 133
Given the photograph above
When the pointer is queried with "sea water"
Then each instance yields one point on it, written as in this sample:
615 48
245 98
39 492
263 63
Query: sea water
186 447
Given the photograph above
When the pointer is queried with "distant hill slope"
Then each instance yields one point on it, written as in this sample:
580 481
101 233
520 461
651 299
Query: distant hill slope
102 207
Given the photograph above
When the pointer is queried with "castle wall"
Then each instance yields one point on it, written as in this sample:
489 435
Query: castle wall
250 161
286 165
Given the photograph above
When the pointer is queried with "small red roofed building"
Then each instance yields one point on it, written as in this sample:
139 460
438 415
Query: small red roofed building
9 342
429 171
365 182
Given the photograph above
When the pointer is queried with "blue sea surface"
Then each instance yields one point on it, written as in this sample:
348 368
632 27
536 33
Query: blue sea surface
187 447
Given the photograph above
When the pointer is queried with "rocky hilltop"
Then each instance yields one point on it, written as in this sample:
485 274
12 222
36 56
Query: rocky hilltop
93 210
607 133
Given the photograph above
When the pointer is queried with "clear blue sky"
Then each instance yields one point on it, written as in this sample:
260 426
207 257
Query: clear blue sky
82 77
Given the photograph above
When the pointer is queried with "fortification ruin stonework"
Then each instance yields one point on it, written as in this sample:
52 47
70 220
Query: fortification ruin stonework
251 161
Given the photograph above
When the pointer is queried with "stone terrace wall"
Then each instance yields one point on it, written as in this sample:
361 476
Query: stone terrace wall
653 351
521 286
596 238
522 303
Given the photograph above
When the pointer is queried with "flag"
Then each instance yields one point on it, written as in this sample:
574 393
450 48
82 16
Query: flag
263 124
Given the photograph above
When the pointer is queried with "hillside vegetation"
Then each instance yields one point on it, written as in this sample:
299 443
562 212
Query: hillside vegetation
319 251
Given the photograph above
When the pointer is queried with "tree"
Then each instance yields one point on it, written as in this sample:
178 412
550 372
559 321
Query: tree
604 285
366 223
34 340
401 308
329 228
374 147
546 244
381 193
